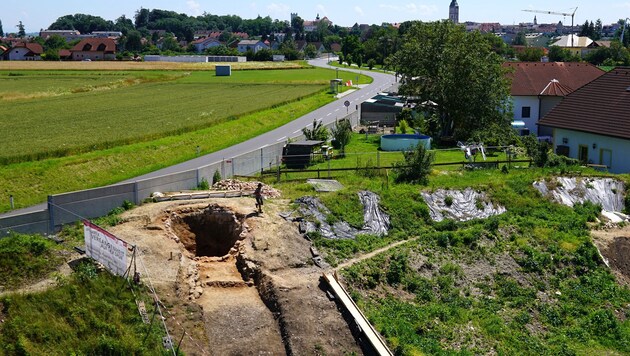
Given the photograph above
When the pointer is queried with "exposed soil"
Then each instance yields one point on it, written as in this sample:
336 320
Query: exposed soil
614 245
236 282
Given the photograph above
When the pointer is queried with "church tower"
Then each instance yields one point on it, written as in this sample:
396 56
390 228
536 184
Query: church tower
453 11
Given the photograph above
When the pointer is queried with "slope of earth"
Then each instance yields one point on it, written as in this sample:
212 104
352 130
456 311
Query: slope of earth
255 291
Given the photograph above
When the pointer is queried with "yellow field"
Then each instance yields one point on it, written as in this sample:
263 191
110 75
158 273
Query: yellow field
125 65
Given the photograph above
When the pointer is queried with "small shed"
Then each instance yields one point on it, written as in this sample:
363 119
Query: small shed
224 70
300 154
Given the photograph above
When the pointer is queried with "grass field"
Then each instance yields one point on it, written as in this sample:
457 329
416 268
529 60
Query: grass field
58 114
119 65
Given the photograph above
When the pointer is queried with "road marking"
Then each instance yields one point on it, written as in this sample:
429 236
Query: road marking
336 110
329 114
281 139
296 131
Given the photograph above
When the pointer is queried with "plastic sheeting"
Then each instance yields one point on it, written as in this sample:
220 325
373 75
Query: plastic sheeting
465 205
376 222
569 191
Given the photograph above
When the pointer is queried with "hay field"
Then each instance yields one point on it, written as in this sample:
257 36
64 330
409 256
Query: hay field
128 65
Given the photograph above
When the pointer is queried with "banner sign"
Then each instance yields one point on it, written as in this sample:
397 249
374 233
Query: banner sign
105 248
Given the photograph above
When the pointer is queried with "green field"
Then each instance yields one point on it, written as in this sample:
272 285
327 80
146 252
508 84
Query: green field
80 113
131 143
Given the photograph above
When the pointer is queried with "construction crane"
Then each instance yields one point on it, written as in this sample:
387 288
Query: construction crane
558 13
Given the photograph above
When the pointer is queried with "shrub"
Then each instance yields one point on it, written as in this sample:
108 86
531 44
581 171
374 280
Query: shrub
318 132
203 185
416 167
216 177
448 200
371 63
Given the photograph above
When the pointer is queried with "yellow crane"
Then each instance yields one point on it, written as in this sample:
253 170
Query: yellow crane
565 14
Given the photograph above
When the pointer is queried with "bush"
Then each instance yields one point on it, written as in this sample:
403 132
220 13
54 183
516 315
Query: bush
203 185
416 167
341 133
216 177
371 63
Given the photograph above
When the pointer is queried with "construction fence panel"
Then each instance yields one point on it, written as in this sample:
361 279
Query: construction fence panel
28 223
70 207
168 183
208 172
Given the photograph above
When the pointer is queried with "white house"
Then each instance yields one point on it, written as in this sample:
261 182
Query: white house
253 45
537 87
592 124
25 52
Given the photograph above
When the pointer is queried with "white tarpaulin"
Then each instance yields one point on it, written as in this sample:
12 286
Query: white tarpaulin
105 248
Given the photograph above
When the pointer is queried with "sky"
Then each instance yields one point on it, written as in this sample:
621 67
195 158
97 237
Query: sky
39 14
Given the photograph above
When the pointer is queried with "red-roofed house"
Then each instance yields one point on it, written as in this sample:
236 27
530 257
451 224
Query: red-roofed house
592 124
537 87
25 52
203 44
94 49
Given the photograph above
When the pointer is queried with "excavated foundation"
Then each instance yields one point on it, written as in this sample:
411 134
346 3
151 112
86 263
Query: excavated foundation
210 232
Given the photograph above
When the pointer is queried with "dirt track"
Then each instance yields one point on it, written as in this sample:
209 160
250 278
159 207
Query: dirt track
264 296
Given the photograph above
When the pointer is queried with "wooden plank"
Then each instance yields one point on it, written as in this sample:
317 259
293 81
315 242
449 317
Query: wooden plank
375 339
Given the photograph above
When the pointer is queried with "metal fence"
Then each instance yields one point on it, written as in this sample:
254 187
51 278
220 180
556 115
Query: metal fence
71 207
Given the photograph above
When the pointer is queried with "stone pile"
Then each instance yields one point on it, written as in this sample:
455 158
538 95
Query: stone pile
237 185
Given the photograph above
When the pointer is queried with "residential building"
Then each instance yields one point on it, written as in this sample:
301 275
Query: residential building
537 87
310 26
203 44
251 45
23 51
574 43
592 124
68 35
94 49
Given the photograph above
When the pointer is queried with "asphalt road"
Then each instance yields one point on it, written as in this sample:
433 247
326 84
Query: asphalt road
327 114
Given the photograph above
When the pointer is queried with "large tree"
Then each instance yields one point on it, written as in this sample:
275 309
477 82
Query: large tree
457 70
1 31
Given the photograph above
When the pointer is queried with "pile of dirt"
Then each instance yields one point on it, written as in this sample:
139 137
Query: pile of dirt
614 245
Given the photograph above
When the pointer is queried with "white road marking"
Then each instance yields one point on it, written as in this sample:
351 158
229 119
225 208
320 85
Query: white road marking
281 139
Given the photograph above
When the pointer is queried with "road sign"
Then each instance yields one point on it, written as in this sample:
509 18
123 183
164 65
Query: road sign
346 103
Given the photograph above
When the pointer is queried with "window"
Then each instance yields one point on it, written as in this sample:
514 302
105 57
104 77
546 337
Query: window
525 112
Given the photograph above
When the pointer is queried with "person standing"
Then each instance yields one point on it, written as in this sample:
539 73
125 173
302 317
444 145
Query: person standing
259 198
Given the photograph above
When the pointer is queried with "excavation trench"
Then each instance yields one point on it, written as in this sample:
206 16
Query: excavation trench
213 237
211 232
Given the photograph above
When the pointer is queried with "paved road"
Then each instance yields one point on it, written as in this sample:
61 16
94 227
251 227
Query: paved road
327 114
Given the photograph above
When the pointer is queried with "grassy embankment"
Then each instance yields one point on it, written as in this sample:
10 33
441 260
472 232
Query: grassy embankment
529 281
66 135
89 312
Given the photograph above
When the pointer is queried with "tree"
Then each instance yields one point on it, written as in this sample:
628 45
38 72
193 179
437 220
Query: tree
1 31
133 41
597 35
21 32
458 71
416 167
371 63
54 42
342 134
530 54
559 54
310 51
520 40
318 132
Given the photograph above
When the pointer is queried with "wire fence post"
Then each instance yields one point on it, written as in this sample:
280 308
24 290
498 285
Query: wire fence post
51 215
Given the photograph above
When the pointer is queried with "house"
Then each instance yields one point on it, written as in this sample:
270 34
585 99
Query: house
203 44
23 51
251 45
595 46
3 50
592 124
68 35
94 49
310 26
537 87
574 43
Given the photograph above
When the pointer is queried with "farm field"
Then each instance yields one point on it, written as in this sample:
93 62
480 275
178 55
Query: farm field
77 161
92 110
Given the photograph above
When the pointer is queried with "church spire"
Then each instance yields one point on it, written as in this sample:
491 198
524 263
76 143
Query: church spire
453 11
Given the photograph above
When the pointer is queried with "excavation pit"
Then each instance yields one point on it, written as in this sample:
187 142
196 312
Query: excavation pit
210 232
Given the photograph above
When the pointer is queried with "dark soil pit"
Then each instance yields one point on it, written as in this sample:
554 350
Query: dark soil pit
617 254
210 232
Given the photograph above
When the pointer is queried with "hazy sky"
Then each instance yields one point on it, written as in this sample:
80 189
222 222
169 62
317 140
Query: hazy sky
38 14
